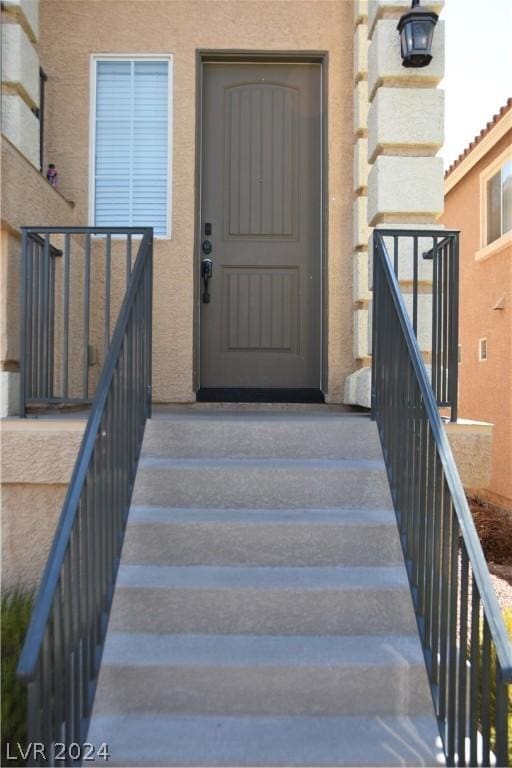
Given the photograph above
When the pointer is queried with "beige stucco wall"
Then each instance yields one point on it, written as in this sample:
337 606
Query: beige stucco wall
471 443
485 388
181 28
27 198
36 461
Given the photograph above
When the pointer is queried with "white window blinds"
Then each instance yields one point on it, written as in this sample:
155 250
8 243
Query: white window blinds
131 164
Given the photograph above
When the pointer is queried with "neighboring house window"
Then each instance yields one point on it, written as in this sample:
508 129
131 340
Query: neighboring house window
499 202
131 168
482 349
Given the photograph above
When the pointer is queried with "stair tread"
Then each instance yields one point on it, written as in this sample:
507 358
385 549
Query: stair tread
262 577
240 436
144 649
303 517
323 414
230 463
156 739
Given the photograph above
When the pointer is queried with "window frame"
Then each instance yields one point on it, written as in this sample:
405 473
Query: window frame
129 57
481 344
489 249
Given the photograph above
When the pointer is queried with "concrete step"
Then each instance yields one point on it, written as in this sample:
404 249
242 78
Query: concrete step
262 483
263 675
263 600
262 435
262 614
157 739
181 536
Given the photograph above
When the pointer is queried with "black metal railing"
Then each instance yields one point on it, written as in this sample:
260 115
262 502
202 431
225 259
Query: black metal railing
61 655
73 280
467 651
426 264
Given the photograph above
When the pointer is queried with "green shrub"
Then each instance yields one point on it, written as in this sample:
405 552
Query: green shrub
507 618
15 615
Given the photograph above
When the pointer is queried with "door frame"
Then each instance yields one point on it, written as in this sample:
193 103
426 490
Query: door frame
207 56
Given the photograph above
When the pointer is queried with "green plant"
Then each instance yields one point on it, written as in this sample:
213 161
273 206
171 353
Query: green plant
15 614
507 618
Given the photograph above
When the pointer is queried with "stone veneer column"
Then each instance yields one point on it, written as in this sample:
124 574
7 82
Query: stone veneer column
397 178
360 294
19 124
20 76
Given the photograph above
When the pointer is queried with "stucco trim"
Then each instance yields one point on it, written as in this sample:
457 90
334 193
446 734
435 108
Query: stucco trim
95 58
497 246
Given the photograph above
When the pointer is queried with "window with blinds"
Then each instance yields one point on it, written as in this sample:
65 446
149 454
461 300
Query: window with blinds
131 144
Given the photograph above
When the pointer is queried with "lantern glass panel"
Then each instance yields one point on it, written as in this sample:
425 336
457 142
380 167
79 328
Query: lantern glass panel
407 34
421 34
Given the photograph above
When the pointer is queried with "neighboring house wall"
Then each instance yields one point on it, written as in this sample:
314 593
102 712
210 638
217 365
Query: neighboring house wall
485 386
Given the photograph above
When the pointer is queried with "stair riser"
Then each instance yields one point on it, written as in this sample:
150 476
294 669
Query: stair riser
264 690
342 438
264 487
251 741
260 544
263 611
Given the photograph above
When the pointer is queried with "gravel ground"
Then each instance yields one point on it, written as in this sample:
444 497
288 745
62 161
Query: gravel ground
500 577
494 527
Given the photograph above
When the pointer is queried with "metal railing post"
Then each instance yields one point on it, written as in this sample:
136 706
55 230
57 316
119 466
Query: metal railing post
23 324
61 654
467 652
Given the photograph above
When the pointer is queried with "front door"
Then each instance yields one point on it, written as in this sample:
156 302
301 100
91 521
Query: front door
261 226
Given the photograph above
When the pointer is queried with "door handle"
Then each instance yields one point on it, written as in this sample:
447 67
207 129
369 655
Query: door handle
206 275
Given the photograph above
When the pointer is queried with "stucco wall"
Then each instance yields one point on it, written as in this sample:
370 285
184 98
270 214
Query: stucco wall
180 28
37 459
27 198
485 388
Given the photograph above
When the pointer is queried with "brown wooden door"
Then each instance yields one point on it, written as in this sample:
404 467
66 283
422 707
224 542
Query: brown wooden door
261 201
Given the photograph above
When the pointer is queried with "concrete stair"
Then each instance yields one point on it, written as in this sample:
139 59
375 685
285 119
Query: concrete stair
262 614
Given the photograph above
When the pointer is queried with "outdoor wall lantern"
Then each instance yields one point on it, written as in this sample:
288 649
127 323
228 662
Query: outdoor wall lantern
416 29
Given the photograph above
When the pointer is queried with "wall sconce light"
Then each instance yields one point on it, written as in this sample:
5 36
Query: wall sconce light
416 29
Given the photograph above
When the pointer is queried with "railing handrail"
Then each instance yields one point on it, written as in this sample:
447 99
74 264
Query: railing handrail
430 254
29 656
446 235
467 526
394 231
